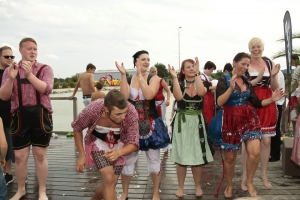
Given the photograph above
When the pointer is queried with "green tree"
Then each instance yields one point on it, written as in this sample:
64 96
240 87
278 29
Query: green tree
72 84
74 78
64 85
162 70
56 85
281 53
217 75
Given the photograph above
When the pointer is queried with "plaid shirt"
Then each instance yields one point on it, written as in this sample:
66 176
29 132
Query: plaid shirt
89 117
28 91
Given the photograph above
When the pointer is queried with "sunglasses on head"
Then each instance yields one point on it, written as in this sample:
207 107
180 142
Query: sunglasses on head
7 57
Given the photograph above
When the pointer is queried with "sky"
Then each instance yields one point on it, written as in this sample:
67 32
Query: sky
72 33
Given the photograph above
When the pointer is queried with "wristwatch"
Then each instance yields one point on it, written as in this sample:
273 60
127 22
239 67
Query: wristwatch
198 74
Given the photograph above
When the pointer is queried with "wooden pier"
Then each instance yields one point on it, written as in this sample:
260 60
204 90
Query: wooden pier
64 183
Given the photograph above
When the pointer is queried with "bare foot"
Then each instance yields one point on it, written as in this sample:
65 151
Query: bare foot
123 196
156 197
228 192
251 190
18 195
199 192
179 193
266 181
244 186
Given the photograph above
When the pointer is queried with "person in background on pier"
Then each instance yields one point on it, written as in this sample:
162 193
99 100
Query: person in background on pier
86 82
227 68
3 150
160 101
141 89
190 146
239 121
112 133
29 85
6 59
208 101
296 146
268 114
293 102
276 140
98 94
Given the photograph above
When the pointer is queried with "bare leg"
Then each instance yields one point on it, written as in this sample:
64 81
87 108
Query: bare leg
181 174
197 173
21 170
253 149
125 186
156 178
41 167
7 167
244 161
264 160
287 112
230 158
106 190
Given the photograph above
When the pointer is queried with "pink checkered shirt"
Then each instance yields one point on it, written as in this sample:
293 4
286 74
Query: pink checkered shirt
89 117
28 91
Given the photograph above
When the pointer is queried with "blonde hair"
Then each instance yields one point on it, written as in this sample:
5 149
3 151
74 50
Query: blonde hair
255 40
152 68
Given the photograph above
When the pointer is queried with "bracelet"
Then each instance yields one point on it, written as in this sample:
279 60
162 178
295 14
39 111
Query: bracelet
198 74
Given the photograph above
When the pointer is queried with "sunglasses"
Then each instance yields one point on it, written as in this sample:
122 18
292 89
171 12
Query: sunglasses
7 57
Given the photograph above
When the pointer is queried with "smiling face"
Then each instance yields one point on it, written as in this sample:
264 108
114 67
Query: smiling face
143 61
188 69
240 67
28 51
256 50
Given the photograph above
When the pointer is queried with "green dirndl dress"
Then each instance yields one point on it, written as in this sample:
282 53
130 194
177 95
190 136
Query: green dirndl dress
190 146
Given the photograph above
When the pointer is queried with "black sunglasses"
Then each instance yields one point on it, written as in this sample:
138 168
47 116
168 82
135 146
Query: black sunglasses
7 57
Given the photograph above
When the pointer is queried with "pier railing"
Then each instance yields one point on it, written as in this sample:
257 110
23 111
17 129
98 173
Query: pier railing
75 110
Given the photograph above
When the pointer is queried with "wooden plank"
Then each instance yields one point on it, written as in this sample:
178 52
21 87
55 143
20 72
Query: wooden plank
64 183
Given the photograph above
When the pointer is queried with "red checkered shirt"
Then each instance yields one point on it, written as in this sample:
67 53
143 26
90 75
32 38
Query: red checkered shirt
89 117
28 91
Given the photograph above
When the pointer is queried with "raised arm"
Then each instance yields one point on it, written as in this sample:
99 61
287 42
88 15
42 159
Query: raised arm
167 89
7 81
274 76
125 89
200 89
176 87
223 93
258 78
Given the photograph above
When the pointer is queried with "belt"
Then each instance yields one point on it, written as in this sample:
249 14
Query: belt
182 113
87 96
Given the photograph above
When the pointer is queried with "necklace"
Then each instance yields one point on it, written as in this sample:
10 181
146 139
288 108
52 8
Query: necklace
190 82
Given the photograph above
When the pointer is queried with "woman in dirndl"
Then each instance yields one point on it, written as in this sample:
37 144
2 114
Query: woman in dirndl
141 89
267 115
190 146
239 121
296 147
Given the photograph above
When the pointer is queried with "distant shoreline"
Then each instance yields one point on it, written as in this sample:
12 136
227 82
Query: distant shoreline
70 90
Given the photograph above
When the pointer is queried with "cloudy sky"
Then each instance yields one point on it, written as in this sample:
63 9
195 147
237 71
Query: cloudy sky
72 33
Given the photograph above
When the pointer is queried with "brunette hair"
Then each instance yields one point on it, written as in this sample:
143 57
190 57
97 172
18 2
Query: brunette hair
181 76
228 67
137 55
238 57
90 66
209 65
115 98
26 40
4 48
99 85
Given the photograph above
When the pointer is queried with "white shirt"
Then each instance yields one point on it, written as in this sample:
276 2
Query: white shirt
281 83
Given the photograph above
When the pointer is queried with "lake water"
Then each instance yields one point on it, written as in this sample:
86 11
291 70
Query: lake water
63 110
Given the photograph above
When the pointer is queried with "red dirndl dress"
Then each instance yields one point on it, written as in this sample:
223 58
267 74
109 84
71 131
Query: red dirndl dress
208 110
